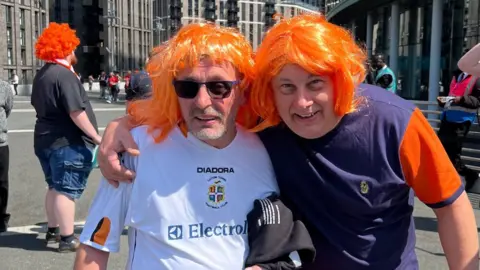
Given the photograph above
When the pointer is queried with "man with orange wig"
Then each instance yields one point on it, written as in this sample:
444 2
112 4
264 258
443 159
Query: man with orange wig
200 170
348 156
65 131
360 154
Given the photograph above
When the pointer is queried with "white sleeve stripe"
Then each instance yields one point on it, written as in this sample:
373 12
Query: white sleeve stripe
295 257
278 214
271 213
263 212
99 247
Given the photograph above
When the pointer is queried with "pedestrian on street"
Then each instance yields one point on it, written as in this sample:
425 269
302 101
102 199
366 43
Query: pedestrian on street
103 82
15 81
384 76
140 88
460 110
65 131
113 81
348 157
90 82
6 105
140 83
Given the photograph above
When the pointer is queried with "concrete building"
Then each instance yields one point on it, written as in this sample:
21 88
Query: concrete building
422 39
251 14
21 21
115 35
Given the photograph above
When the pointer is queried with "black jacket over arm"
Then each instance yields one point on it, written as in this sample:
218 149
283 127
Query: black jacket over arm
278 241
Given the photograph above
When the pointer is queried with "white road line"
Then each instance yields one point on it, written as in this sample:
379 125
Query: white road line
31 130
20 101
31 229
94 109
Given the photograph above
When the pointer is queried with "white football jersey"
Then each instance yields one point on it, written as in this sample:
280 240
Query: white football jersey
188 204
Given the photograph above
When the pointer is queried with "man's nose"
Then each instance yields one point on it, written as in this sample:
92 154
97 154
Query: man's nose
303 99
203 99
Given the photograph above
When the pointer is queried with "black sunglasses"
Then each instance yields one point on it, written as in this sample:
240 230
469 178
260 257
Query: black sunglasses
215 89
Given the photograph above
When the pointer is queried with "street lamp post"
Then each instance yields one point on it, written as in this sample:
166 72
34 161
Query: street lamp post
111 17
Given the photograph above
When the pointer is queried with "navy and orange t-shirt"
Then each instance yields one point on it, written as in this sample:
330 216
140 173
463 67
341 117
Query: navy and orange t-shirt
355 186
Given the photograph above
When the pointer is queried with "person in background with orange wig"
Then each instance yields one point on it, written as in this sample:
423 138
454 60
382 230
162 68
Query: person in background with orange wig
350 156
200 170
65 131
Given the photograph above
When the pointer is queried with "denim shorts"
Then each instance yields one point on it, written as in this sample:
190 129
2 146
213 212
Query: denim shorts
66 169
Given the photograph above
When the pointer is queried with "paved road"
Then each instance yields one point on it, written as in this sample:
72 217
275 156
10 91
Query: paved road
22 248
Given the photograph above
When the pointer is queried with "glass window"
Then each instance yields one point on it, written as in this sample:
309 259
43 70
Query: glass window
10 74
259 13
251 12
23 60
8 15
221 11
9 36
37 21
22 17
244 12
24 78
22 37
10 56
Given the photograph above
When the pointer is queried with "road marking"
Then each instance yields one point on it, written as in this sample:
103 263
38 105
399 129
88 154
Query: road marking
31 229
94 109
31 130
21 101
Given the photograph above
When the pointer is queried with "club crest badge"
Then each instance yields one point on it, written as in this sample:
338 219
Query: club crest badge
364 187
216 192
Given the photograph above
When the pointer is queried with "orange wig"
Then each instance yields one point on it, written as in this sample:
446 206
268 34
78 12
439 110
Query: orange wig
162 112
317 46
57 41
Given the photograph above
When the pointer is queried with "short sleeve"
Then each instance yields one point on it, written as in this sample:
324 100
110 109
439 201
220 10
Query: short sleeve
106 217
426 166
70 92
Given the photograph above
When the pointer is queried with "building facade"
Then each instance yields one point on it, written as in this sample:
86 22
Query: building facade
21 22
422 39
250 13
115 35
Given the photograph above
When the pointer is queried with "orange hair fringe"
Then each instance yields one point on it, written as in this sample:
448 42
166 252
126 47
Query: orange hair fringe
319 47
57 41
161 113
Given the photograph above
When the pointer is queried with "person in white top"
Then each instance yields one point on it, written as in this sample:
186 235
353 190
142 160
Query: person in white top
15 82
200 169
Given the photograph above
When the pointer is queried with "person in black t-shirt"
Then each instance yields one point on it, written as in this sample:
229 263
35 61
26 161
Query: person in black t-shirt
102 80
65 131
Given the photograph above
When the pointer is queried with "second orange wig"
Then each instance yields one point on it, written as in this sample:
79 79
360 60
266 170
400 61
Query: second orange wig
317 46
57 41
